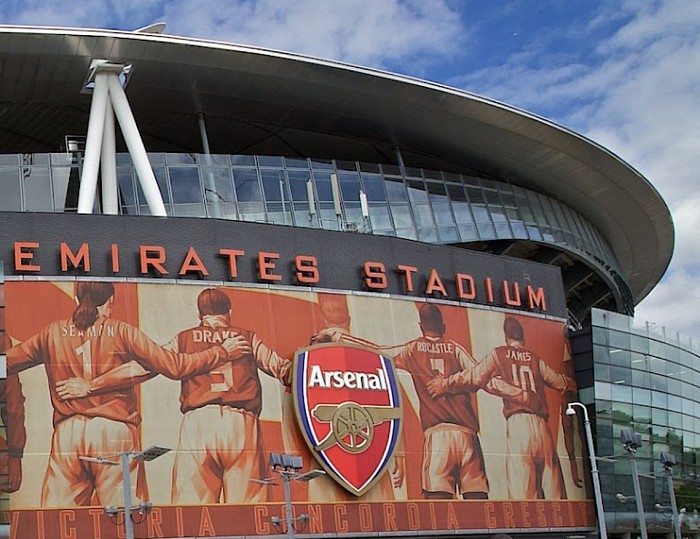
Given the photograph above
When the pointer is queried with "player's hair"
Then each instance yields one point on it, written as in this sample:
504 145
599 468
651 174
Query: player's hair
513 329
334 308
431 318
90 295
213 301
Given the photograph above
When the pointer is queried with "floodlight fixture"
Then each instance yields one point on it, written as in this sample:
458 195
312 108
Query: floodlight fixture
311 474
151 453
570 410
630 440
667 459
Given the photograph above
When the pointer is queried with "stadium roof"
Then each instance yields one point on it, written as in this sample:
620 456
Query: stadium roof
259 101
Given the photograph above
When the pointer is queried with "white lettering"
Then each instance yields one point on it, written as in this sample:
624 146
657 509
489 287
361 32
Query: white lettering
347 379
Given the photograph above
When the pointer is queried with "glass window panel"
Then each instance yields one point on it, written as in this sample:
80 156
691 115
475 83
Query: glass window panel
296 163
427 235
432 174
270 161
126 186
11 199
436 191
374 187
279 213
185 210
353 214
37 189
620 375
60 179
486 231
641 395
503 231
245 160
252 211
659 399
481 214
448 234
324 190
322 164
153 158
423 215
456 192
401 215
349 186
642 414
345 165
442 214
180 159
217 185
396 190
408 233
468 232
9 159
534 233
274 185
621 393
370 167
379 217
462 213
519 230
185 185
247 186
161 180
297 184
498 212
417 192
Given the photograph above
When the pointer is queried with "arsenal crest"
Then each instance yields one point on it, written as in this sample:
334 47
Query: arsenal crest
347 402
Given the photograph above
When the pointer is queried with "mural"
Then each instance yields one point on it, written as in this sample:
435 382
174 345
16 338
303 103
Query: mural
482 440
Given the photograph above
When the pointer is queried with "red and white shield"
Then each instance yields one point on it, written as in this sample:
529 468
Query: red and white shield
349 410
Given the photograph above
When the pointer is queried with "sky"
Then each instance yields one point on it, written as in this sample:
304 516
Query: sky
624 73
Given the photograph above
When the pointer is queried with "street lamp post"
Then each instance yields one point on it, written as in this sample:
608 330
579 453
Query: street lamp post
668 460
125 457
288 468
570 411
631 441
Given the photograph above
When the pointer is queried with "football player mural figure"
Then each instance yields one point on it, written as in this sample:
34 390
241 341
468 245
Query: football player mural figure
532 465
453 462
75 353
220 445
12 412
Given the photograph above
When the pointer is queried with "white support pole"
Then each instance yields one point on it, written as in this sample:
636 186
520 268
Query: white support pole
93 144
110 197
149 185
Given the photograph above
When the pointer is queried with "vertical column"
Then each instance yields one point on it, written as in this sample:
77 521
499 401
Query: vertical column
149 185
110 197
211 195
93 144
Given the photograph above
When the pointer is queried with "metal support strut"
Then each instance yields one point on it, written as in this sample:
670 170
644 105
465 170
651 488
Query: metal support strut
109 100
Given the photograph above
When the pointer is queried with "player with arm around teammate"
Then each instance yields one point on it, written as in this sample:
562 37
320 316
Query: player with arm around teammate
101 423
532 464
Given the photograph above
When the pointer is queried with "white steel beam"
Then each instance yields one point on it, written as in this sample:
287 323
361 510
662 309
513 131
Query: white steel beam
93 144
110 196
149 185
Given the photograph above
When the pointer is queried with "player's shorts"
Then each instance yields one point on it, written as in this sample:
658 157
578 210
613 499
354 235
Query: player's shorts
453 461
220 450
532 464
70 481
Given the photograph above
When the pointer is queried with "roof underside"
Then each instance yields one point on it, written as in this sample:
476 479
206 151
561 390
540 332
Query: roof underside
265 102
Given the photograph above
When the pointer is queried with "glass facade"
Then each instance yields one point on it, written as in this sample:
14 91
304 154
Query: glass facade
425 205
645 380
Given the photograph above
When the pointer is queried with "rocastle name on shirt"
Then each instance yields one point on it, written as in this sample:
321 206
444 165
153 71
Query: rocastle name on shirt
69 330
436 347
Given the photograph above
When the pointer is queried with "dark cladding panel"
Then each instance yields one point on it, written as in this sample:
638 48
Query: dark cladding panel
35 240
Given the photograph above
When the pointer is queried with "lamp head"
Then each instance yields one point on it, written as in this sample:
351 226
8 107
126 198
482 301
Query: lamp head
570 410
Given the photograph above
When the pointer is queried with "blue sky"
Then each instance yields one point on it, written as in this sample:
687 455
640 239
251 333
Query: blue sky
623 73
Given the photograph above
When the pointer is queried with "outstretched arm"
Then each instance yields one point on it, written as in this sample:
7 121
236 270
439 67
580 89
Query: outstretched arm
469 379
120 377
271 362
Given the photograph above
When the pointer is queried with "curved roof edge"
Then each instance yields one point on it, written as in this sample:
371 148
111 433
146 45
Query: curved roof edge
444 122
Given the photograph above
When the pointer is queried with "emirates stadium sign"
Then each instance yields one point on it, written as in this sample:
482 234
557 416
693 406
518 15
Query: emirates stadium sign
349 410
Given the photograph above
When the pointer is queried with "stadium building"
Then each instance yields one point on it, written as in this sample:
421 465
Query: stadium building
322 212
